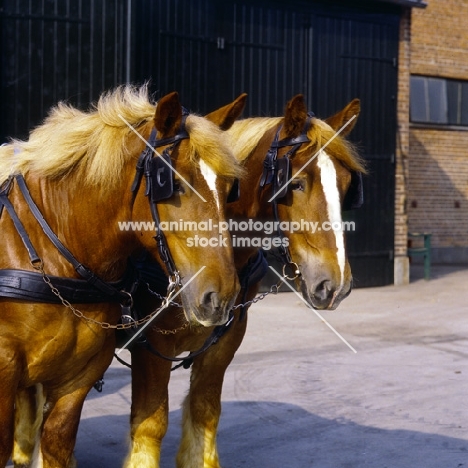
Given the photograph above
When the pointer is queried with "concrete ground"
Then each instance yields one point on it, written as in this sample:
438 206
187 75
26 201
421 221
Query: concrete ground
298 397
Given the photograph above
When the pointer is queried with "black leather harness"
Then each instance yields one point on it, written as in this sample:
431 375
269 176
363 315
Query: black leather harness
29 285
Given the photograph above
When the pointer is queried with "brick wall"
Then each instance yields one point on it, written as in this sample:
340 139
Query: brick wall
437 186
439 43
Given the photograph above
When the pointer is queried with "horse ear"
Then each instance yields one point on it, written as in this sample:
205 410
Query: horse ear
295 116
345 115
168 115
227 115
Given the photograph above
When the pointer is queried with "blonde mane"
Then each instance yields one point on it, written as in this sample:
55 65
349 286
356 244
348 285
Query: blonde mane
320 133
247 133
94 144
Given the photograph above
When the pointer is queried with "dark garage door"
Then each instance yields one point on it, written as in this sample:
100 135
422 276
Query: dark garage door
212 51
56 50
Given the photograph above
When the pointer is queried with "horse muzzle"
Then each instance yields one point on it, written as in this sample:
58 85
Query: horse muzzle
211 309
325 294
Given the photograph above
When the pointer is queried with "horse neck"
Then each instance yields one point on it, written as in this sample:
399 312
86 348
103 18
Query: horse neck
253 201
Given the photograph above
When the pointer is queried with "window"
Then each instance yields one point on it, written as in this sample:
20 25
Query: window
438 101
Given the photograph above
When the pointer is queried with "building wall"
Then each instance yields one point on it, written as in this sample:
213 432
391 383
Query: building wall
437 189
401 263
439 44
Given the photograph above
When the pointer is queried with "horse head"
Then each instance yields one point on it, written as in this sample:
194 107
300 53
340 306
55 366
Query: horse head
190 189
301 173
325 177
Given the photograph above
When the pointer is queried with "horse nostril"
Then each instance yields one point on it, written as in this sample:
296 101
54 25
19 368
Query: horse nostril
211 300
323 290
349 290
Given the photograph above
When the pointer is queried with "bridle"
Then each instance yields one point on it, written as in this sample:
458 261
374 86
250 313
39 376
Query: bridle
277 171
158 174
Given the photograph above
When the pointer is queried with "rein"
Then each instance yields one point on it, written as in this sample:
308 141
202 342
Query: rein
34 259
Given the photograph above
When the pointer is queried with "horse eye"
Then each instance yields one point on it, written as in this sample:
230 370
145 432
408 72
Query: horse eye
178 187
297 185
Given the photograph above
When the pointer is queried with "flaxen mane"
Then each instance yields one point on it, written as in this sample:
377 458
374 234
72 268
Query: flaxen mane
247 133
94 144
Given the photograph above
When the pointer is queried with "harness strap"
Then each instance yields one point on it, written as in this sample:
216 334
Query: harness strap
214 337
81 269
271 169
4 202
284 251
252 273
142 168
182 135
30 285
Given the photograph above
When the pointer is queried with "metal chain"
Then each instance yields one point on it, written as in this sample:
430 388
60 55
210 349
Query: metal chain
105 325
159 296
163 331
274 289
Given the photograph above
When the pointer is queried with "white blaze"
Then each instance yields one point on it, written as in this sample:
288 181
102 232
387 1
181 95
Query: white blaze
332 196
210 177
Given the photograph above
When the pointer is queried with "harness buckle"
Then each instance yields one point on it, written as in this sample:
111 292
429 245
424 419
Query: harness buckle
174 282
295 269
128 302
37 264
128 320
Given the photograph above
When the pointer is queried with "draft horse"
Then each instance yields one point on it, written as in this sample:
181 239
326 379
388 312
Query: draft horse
65 280
327 178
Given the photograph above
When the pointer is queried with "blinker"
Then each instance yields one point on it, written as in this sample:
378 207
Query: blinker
281 177
161 177
354 197
234 193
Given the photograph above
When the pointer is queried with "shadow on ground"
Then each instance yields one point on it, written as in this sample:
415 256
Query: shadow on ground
437 271
274 435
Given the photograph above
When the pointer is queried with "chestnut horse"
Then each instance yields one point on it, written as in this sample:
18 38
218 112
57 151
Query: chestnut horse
326 172
66 190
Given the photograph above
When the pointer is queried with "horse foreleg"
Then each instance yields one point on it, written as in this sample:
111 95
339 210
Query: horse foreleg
10 371
149 414
58 437
29 407
202 407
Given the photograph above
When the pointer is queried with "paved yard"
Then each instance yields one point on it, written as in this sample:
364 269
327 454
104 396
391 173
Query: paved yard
297 397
